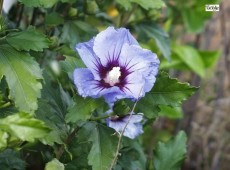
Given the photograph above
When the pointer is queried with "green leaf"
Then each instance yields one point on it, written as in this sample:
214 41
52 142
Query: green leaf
39 3
77 31
132 154
54 19
52 110
175 63
70 64
210 58
190 13
147 4
80 148
104 147
169 91
170 155
82 108
152 31
191 58
166 91
126 4
171 112
22 74
9 159
54 165
29 39
3 139
24 127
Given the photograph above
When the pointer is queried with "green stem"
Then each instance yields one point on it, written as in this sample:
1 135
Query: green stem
101 117
5 105
126 17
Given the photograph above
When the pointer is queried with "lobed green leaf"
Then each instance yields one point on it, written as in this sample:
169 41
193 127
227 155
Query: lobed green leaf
22 75
104 147
166 91
170 155
24 127
29 39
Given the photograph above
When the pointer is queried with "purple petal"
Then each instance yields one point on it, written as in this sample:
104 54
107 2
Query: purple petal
116 125
111 98
133 129
91 61
134 86
134 58
108 44
85 83
135 118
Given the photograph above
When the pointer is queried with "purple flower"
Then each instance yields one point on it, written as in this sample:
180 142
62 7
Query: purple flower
117 67
134 127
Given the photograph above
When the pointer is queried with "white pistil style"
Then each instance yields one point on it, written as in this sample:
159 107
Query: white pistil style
112 76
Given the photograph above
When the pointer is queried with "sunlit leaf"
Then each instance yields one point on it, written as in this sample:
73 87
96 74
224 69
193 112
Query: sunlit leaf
171 154
3 139
54 165
191 58
24 126
29 39
22 75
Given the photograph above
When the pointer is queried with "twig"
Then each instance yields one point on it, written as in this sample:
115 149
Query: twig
122 132
1 5
20 16
67 141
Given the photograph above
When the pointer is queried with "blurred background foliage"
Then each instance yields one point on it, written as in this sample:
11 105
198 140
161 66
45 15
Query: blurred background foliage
193 45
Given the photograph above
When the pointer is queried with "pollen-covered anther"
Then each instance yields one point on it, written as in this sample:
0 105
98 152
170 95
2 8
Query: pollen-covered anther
113 76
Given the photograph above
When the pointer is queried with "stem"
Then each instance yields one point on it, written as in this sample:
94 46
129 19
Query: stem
67 142
126 18
122 133
5 105
35 11
1 5
20 15
102 117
